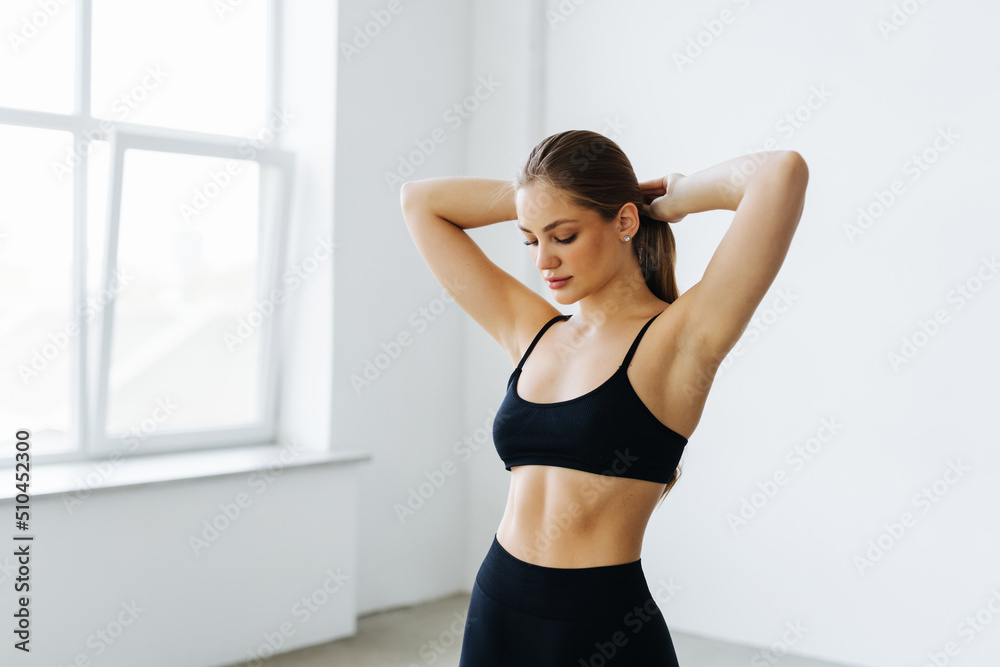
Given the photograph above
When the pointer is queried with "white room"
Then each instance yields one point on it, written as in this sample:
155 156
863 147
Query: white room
245 422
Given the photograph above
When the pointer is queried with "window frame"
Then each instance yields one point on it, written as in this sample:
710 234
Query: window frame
277 170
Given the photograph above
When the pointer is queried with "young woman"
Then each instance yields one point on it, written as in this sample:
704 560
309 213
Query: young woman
601 403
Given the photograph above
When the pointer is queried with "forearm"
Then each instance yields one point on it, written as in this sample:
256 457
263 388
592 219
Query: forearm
465 201
722 186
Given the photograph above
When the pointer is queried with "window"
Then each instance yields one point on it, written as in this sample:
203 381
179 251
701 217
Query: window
145 208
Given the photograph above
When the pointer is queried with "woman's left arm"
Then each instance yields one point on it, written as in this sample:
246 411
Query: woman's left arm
768 204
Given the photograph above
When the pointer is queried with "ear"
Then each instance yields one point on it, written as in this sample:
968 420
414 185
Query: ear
628 218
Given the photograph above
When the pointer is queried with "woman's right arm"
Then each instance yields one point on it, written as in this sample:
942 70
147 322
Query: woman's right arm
464 201
437 212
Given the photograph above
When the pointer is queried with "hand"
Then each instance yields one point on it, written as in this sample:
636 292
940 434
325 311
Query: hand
659 197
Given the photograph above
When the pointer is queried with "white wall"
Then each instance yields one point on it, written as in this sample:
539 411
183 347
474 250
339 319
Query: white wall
407 416
198 572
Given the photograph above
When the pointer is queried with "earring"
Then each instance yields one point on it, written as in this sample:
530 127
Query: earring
627 238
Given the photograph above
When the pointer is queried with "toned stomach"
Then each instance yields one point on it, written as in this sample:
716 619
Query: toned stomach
560 517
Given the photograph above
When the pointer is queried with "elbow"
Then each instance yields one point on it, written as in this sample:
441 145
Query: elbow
795 168
407 194
404 193
788 169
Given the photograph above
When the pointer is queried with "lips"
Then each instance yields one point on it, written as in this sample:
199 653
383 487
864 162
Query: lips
556 283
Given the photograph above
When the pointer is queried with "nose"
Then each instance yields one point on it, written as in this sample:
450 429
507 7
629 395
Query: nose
545 258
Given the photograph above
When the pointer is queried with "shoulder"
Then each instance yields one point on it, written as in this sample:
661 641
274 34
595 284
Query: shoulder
674 349
528 326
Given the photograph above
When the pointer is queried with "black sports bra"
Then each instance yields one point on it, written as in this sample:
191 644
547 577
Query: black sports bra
607 431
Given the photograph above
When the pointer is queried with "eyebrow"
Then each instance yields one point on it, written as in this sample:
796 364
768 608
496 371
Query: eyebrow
551 225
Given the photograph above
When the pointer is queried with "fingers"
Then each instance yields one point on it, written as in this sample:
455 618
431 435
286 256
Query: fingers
655 186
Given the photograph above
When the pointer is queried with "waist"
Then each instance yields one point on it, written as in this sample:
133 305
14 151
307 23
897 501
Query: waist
567 593
563 518
556 547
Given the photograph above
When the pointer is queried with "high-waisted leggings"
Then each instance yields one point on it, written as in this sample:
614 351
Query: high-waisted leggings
527 615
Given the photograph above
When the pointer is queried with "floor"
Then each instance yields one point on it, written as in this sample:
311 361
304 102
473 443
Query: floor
402 638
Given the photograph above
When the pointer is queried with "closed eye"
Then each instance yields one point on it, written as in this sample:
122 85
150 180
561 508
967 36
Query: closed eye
568 240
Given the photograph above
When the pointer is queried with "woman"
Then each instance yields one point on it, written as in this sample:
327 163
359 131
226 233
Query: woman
592 450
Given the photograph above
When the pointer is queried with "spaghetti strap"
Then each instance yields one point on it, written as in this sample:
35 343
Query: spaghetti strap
539 335
635 343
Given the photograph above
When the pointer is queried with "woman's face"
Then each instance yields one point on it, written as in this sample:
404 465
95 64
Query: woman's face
568 242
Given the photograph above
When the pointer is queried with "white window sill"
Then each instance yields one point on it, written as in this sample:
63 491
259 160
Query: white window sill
55 478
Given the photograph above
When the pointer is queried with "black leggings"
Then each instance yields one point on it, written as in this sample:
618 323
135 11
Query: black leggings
527 615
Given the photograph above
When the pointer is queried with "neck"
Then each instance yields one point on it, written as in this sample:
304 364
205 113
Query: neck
624 297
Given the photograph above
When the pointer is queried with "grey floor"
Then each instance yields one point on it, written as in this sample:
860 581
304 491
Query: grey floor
400 638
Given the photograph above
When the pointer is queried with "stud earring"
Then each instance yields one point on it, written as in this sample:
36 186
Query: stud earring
627 238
